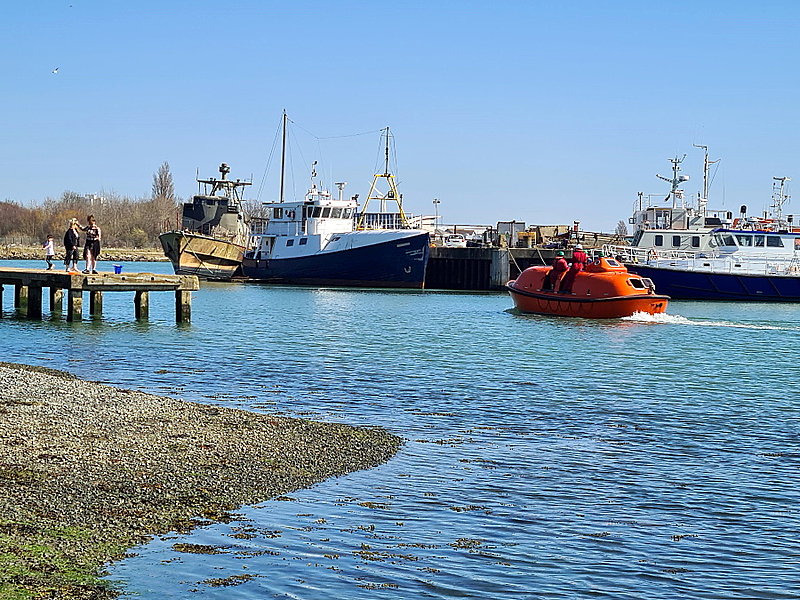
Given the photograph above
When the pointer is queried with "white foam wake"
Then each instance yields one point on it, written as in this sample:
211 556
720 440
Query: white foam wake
643 317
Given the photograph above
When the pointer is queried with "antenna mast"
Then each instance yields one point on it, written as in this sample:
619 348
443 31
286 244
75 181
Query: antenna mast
676 180
779 198
702 202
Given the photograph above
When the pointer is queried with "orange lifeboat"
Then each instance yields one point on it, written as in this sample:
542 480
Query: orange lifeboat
603 290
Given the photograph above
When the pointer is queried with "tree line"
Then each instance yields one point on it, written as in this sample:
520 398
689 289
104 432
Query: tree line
125 221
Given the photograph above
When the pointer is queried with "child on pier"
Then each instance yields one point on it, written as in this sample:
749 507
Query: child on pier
49 251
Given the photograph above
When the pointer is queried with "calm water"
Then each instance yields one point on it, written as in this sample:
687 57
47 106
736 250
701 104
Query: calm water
546 457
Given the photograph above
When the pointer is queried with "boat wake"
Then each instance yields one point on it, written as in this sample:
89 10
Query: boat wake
665 318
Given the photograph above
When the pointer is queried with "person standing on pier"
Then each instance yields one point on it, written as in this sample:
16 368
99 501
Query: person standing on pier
72 242
49 252
91 248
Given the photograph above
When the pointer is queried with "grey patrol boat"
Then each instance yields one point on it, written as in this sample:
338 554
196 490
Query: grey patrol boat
214 230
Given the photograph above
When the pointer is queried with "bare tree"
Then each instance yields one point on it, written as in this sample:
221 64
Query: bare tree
163 185
622 229
163 203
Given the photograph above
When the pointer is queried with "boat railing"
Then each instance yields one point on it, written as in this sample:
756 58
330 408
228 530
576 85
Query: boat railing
707 261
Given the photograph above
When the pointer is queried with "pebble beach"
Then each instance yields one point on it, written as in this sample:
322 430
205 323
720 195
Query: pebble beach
87 471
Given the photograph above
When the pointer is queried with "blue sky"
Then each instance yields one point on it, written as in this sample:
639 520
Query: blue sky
536 111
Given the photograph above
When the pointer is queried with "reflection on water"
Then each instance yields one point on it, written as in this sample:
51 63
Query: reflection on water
545 457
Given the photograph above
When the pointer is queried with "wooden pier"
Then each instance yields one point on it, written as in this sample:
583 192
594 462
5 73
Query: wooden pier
30 283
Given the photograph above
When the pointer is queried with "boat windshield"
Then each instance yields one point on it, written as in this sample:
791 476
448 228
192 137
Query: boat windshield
725 239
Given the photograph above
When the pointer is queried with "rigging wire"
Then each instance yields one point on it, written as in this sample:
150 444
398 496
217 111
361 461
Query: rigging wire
269 160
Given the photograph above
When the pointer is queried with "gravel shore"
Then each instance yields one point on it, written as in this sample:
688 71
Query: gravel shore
87 471
14 252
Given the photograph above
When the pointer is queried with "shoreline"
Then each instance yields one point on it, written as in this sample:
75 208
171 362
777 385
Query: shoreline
16 252
88 471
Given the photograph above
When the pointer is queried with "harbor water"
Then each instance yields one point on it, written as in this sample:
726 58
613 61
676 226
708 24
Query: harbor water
654 457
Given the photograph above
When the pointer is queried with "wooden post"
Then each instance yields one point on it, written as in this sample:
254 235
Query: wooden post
56 299
141 305
75 305
183 306
34 308
20 296
1 301
96 303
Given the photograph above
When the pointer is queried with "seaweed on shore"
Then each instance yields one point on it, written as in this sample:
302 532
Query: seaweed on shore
87 475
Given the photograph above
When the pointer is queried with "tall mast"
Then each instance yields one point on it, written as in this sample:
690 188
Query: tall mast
283 155
386 165
703 201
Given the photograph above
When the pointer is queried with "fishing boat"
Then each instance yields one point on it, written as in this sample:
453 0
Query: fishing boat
214 230
322 240
603 290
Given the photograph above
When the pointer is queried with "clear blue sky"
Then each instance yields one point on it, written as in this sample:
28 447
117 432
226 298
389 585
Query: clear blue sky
545 112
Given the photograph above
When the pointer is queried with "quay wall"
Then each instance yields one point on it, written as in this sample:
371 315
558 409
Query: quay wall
481 269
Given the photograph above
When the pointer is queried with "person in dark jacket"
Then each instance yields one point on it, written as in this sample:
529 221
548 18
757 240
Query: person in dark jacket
72 242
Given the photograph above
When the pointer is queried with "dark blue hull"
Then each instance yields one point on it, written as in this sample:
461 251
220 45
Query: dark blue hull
685 285
399 263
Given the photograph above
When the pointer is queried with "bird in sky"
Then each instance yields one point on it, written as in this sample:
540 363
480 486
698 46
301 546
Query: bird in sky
55 71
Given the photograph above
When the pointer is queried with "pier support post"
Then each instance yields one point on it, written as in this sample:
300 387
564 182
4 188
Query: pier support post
183 306
96 303
20 296
34 308
141 305
499 271
1 301
75 305
56 299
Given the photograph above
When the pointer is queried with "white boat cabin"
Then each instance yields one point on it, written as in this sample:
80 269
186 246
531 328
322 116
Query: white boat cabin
294 229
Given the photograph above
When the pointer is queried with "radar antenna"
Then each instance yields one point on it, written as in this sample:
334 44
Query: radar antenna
675 193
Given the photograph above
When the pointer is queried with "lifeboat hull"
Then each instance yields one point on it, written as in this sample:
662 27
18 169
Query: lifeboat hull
591 308
604 290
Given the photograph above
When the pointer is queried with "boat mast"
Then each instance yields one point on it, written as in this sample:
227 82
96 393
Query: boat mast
283 156
702 202
676 180
392 194
779 198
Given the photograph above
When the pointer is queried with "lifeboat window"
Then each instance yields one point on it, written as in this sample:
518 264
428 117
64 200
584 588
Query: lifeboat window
278 213
317 211
659 240
303 241
612 263
289 243
759 241
336 213
773 241
676 241
744 240
636 283
695 241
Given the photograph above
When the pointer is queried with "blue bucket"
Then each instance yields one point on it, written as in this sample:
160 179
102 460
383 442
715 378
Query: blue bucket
117 269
